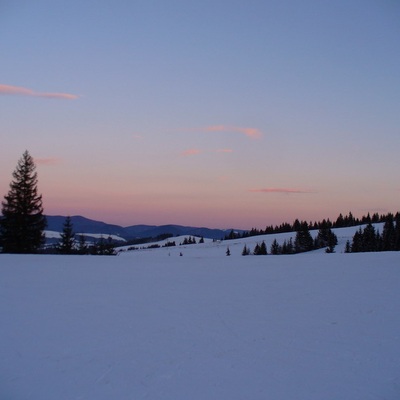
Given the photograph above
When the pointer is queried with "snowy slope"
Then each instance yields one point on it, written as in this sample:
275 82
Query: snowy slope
153 325
211 247
57 235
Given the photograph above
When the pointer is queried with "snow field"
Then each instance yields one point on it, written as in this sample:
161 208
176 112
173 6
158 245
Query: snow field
153 325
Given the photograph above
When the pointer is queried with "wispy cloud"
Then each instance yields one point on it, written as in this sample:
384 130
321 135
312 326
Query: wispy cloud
191 152
21 91
224 151
252 133
281 190
47 161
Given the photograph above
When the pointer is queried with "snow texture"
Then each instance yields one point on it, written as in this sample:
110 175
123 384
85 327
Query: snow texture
150 324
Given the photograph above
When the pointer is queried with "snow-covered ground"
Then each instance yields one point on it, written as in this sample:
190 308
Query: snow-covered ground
57 235
150 324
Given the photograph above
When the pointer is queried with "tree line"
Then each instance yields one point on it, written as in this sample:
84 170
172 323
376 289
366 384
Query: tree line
370 239
340 222
303 242
22 226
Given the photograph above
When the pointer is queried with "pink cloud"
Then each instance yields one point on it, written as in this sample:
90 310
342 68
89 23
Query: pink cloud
252 133
280 190
47 161
191 152
224 151
21 91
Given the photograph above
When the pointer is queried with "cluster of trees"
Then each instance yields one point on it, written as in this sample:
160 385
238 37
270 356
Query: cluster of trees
191 240
303 242
259 250
149 239
340 222
370 239
186 241
70 243
22 223
154 246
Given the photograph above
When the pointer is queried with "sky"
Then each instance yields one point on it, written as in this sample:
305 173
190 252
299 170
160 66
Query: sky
226 114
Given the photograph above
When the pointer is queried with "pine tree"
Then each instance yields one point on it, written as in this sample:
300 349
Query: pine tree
23 222
67 240
370 239
397 232
388 234
275 248
263 249
303 241
245 251
326 238
357 244
82 248
332 242
339 221
287 247
366 240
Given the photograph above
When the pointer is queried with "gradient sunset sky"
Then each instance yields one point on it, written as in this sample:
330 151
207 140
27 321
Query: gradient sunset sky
206 113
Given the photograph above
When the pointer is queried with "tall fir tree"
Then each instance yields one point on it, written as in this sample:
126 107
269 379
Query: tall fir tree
22 224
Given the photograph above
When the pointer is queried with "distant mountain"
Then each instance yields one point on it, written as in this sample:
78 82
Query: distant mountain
86 225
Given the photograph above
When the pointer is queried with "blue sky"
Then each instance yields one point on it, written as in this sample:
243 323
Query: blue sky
217 113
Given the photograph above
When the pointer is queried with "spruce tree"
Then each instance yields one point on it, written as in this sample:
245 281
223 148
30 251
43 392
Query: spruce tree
67 240
357 243
369 238
256 250
397 232
82 247
326 238
263 249
388 234
332 242
303 241
23 223
275 248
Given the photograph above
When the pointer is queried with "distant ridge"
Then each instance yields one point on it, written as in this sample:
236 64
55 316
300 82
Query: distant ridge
86 225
